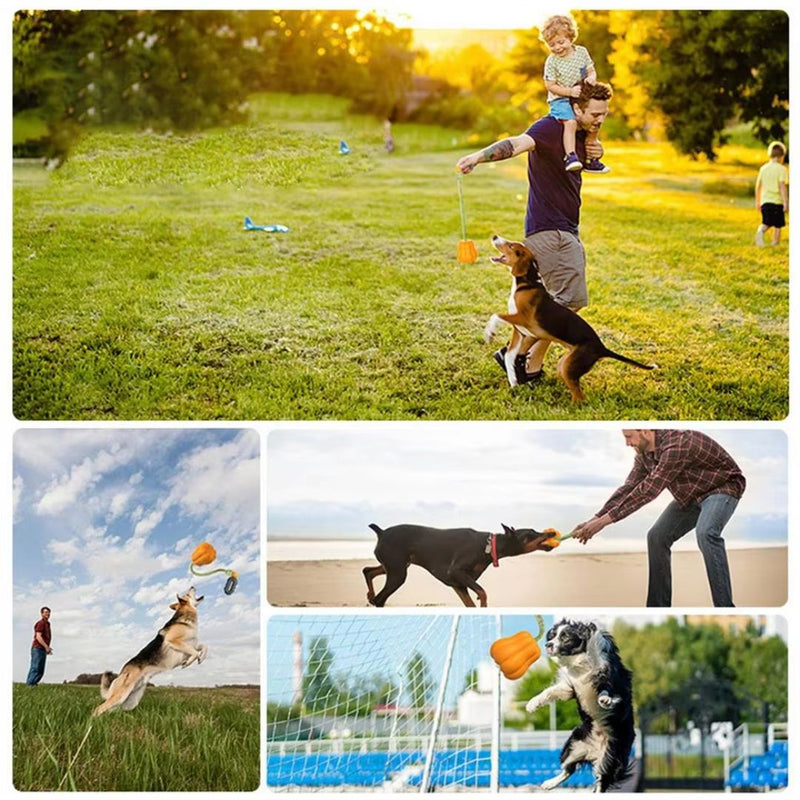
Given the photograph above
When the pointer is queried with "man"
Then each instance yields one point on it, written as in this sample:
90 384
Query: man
40 648
553 211
706 484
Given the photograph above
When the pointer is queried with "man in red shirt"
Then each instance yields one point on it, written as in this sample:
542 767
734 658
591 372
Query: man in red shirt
706 484
40 648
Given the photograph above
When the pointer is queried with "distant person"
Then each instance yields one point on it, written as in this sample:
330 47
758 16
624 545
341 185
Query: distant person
706 484
566 68
388 136
40 648
553 211
772 195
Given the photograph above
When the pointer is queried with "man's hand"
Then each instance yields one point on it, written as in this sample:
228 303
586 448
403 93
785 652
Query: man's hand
466 164
591 527
594 149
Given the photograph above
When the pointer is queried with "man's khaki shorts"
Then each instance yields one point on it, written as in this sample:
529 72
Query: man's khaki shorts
562 265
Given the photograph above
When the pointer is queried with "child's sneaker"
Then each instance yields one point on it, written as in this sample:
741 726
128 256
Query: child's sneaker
597 166
572 163
760 237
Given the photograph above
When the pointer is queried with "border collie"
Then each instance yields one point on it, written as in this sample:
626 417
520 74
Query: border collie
592 672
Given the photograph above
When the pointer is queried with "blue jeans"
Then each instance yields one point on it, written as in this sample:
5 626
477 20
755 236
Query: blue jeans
38 659
708 518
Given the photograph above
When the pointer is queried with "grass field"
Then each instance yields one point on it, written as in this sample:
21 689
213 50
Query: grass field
138 295
176 740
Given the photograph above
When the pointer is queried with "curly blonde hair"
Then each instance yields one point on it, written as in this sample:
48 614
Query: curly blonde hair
559 23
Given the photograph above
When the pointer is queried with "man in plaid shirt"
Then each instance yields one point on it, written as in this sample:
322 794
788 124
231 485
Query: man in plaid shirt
706 484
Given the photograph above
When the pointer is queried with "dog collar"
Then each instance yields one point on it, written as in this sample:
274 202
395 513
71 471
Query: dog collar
491 547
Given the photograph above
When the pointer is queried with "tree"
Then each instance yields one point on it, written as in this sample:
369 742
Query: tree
703 69
761 667
418 677
534 681
318 686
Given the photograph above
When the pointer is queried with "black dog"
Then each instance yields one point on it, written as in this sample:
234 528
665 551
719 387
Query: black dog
593 673
456 556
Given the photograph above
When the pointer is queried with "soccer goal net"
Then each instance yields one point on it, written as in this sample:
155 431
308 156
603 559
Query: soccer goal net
368 702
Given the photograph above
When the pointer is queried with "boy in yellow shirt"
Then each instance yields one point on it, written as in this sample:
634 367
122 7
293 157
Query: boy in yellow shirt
772 194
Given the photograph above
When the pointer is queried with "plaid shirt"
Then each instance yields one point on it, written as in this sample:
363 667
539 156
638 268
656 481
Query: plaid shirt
688 463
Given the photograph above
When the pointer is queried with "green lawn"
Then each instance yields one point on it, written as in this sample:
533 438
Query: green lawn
176 740
138 295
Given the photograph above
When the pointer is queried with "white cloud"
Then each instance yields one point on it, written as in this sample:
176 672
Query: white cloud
221 483
67 490
19 488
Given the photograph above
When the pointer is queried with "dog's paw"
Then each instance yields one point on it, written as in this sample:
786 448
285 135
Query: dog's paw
551 783
532 705
605 700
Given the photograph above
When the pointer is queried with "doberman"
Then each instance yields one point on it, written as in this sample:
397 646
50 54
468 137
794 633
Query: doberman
533 314
456 556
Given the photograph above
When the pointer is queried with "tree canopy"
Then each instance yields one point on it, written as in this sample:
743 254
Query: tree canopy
687 73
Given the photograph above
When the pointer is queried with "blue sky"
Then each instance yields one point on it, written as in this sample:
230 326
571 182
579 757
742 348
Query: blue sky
105 521
332 483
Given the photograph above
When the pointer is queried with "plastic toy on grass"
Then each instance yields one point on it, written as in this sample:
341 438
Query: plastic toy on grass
205 554
343 148
514 654
249 225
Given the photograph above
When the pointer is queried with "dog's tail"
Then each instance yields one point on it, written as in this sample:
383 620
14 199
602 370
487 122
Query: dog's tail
611 354
105 683
374 527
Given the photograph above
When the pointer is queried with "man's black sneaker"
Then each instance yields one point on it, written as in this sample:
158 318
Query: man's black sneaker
523 376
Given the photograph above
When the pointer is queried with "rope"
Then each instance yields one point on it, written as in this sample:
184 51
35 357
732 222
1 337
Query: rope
212 572
461 206
230 584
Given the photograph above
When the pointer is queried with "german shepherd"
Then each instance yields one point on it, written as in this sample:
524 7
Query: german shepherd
175 645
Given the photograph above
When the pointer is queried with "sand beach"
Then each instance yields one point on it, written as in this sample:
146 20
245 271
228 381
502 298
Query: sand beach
539 580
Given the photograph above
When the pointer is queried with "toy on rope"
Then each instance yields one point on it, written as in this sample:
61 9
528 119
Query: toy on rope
557 537
514 654
466 252
205 554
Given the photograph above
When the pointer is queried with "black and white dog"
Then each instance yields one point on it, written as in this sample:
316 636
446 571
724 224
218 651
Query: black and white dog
592 672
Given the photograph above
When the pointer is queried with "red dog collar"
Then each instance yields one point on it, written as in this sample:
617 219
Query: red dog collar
494 549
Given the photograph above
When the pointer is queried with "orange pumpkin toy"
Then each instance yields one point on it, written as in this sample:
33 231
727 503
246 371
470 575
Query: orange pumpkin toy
556 539
514 654
205 554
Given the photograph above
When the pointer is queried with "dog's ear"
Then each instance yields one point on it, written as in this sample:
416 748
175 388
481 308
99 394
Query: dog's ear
506 529
585 630
175 606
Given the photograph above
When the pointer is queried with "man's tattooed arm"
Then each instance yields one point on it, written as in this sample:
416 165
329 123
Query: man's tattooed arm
498 151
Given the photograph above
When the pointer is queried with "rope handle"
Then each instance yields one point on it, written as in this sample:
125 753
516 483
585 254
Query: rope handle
461 207
230 584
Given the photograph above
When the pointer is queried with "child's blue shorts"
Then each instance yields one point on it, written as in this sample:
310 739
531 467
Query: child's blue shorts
561 108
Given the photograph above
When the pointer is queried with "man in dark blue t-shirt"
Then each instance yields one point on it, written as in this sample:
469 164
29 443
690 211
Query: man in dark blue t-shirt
553 211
